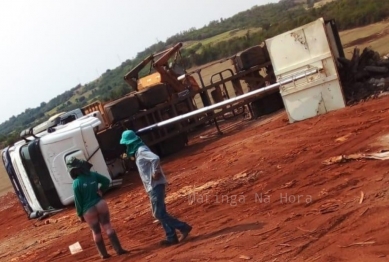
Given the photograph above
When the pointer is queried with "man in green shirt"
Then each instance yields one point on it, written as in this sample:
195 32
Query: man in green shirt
90 206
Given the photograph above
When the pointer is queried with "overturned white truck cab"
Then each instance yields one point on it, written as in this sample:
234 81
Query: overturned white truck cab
37 168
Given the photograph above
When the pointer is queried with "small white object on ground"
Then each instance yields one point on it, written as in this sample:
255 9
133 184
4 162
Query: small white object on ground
75 248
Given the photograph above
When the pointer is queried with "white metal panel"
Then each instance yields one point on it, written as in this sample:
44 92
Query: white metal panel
297 51
77 136
314 101
54 150
23 178
98 115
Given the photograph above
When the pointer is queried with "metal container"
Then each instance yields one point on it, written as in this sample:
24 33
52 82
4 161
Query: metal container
298 50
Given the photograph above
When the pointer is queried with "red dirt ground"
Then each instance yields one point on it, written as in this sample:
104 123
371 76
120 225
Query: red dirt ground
330 221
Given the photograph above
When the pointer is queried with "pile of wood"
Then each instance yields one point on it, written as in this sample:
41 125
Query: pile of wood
365 76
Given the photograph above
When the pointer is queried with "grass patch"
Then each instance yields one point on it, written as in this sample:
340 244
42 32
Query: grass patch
222 37
378 43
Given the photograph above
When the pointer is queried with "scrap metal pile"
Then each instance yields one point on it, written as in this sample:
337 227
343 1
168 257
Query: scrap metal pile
365 76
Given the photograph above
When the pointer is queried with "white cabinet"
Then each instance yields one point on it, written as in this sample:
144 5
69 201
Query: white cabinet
310 46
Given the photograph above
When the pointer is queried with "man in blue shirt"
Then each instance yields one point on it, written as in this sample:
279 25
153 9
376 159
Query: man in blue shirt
154 182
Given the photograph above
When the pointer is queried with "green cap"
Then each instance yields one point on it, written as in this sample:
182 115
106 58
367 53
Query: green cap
128 137
74 163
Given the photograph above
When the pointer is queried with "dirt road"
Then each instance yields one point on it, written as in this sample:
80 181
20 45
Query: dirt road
5 184
259 193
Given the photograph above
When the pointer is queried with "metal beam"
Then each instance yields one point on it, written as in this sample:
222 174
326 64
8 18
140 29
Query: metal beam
251 94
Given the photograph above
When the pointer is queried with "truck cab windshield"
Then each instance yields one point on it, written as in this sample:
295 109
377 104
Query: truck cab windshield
39 176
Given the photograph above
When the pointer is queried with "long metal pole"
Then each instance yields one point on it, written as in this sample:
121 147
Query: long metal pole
228 101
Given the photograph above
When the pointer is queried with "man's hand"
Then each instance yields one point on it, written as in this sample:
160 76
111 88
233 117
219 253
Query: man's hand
157 175
124 156
99 193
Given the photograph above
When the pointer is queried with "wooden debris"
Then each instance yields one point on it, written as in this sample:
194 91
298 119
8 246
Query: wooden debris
362 196
354 187
367 209
360 244
379 179
284 252
262 233
305 230
314 259
231 236
356 75
284 245
150 256
377 69
289 184
328 208
244 257
291 239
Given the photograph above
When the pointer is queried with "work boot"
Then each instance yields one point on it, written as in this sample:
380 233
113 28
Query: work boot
185 233
116 244
171 242
102 250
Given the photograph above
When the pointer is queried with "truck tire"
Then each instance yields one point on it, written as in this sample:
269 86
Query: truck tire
250 57
152 96
121 108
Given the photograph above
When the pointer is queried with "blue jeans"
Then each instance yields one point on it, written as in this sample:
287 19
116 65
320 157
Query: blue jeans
169 223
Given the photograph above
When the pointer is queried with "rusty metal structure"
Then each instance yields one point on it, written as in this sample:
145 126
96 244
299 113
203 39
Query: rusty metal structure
241 98
164 73
163 90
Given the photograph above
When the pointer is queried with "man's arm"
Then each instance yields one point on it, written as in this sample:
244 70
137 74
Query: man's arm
104 181
155 164
77 200
156 167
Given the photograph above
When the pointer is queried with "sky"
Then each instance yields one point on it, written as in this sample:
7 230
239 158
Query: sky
48 47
